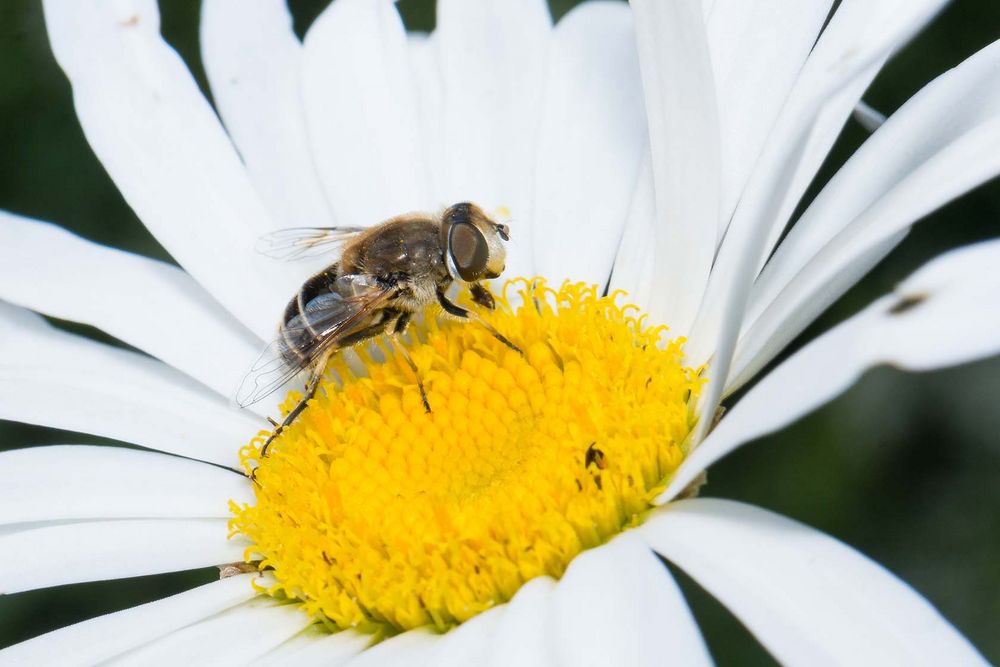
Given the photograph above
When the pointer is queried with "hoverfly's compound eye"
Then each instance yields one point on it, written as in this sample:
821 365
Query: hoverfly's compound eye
504 232
469 249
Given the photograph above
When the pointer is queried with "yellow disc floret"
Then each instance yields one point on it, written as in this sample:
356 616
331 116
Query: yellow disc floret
378 515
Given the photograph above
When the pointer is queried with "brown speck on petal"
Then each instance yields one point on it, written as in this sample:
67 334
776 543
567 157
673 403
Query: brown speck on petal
907 303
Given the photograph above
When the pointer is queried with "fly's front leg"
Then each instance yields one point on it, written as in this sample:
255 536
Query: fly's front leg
481 295
458 311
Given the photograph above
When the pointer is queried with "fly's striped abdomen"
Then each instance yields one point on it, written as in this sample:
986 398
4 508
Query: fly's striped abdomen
296 330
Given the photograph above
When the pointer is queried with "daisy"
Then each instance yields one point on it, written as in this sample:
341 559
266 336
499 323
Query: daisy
659 150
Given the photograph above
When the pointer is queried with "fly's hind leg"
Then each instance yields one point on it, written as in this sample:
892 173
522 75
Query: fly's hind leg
314 377
397 343
458 311
392 325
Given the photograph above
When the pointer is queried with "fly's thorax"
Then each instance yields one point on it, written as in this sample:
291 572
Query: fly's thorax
403 248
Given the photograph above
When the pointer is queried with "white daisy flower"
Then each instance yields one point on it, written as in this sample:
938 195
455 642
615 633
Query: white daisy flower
660 150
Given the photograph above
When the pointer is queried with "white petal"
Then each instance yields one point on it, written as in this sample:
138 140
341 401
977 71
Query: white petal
314 646
946 313
85 482
492 55
163 146
757 50
101 550
472 642
684 135
593 137
808 598
850 51
95 640
965 268
148 304
761 341
283 653
867 116
234 637
361 114
858 28
253 59
428 87
10 529
416 647
636 261
618 605
522 636
943 142
56 379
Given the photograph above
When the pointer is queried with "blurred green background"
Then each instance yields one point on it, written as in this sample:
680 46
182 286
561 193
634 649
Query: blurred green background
906 468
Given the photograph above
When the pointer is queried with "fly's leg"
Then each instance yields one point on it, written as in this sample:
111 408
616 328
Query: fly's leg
311 386
482 296
397 343
458 311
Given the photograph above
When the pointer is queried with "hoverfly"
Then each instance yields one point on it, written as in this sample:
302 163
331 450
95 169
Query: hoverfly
385 275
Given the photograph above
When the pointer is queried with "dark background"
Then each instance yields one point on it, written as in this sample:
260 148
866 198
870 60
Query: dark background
906 468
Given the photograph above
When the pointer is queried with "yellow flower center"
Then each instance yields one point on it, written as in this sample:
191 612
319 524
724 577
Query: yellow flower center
378 515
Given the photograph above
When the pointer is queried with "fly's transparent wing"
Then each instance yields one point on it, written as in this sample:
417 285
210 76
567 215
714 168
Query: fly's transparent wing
304 242
272 370
324 322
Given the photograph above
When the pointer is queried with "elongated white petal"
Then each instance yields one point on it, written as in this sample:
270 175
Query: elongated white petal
946 313
961 286
315 647
945 110
757 50
93 641
163 146
361 114
492 56
636 260
522 635
618 604
415 647
283 653
10 529
684 135
850 51
762 342
428 87
855 29
253 62
593 137
867 116
85 482
64 381
101 550
943 142
472 642
965 269
148 304
808 598
234 637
